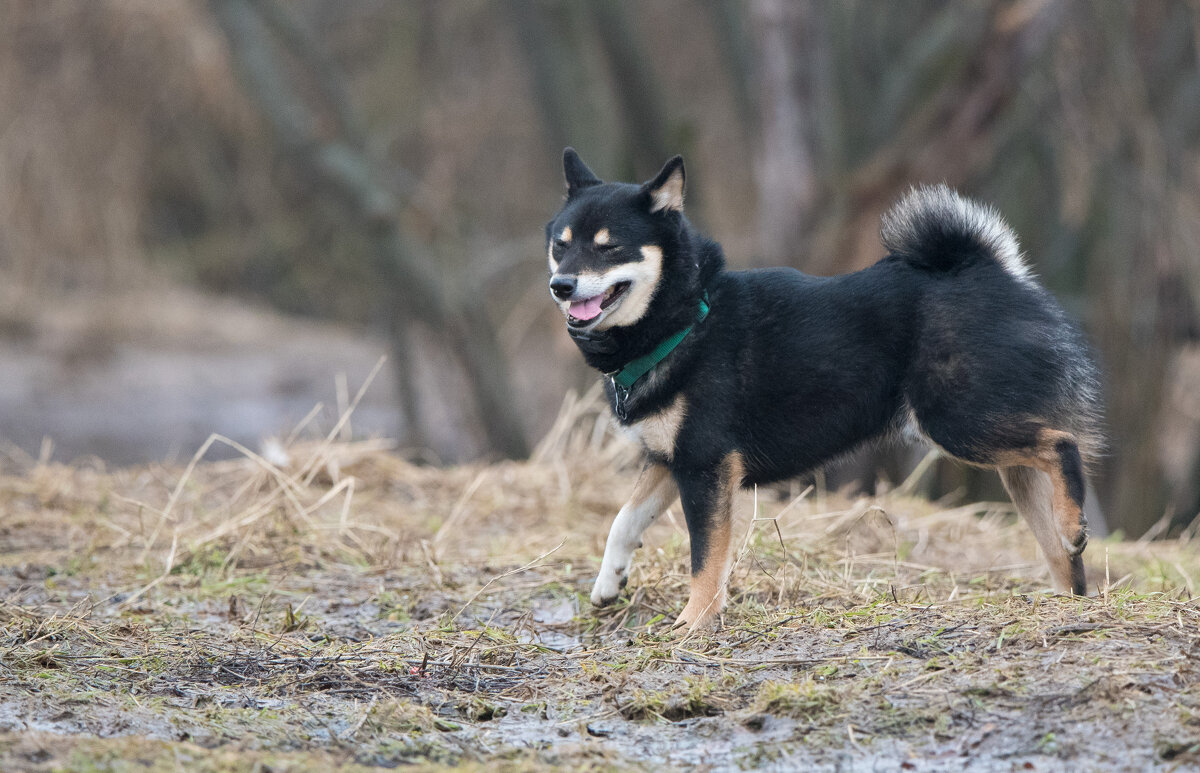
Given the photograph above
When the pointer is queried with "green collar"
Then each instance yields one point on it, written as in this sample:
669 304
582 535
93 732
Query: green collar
627 376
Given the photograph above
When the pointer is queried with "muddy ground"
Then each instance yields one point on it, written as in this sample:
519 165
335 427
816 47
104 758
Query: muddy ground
349 608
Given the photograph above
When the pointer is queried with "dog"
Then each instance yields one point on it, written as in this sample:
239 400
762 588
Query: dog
737 378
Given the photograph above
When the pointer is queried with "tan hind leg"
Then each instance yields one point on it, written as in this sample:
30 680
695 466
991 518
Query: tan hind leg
1033 494
1047 485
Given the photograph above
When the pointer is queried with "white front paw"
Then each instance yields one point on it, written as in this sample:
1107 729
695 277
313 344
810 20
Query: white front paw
608 586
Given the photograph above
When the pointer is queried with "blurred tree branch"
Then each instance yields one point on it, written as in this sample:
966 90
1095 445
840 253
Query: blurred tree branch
336 159
320 67
562 107
567 92
785 167
643 112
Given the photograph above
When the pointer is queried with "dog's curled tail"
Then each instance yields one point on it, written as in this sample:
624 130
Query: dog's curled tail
934 227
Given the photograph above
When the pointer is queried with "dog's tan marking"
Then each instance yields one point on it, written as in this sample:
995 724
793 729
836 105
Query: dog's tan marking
707 595
658 432
602 237
647 487
564 236
669 195
1033 493
710 582
652 253
1045 502
643 277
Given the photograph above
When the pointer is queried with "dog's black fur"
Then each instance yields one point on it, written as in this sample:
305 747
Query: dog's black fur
946 336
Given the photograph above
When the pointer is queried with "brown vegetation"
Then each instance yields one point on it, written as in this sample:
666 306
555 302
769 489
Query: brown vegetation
346 606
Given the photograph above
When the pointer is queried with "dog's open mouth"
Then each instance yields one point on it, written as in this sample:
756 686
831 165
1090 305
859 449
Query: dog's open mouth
584 312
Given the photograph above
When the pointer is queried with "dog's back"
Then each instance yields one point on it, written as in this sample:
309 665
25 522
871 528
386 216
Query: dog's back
801 369
949 335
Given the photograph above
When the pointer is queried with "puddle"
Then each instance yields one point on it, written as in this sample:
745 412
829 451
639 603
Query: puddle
552 613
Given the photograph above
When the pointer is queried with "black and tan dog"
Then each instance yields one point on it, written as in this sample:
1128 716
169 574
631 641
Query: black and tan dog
733 378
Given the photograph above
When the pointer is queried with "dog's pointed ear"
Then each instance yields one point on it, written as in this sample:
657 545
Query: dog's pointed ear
665 191
577 173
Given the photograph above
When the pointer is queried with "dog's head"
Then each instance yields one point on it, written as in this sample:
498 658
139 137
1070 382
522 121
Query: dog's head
611 245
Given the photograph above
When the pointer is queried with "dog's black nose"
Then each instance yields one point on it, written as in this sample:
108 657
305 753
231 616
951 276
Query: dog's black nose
562 286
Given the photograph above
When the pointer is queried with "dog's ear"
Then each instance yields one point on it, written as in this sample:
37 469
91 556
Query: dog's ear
577 173
665 191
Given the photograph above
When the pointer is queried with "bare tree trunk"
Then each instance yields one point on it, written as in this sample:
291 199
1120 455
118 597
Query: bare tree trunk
342 167
729 25
320 67
567 92
787 182
400 346
553 61
643 113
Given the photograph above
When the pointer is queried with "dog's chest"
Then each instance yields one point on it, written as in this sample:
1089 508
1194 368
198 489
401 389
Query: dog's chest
658 431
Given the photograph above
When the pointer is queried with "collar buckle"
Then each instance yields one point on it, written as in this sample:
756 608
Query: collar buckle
620 399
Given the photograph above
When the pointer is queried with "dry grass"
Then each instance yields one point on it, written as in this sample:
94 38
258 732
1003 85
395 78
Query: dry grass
343 606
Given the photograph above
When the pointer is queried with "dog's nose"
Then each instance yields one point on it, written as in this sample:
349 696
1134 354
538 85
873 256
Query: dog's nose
562 286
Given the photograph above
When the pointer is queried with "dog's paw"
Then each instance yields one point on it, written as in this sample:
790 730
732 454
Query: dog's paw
608 586
694 622
699 614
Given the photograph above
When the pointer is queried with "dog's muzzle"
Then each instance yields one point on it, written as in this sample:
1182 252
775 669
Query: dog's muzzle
583 311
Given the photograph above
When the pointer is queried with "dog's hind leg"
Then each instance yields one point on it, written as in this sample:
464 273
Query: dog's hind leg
708 507
654 491
1033 494
1048 491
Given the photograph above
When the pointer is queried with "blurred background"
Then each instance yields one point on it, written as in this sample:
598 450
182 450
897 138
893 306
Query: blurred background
216 215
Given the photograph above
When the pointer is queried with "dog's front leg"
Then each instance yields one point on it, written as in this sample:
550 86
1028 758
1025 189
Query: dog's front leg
708 508
654 491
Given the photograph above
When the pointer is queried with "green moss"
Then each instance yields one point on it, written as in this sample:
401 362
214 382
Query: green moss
807 699
696 697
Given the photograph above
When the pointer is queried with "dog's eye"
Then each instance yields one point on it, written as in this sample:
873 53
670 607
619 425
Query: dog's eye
608 248
559 244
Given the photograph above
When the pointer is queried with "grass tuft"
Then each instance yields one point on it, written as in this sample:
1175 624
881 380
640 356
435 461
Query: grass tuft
807 699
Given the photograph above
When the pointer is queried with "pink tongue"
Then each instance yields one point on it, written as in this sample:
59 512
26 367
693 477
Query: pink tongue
587 309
